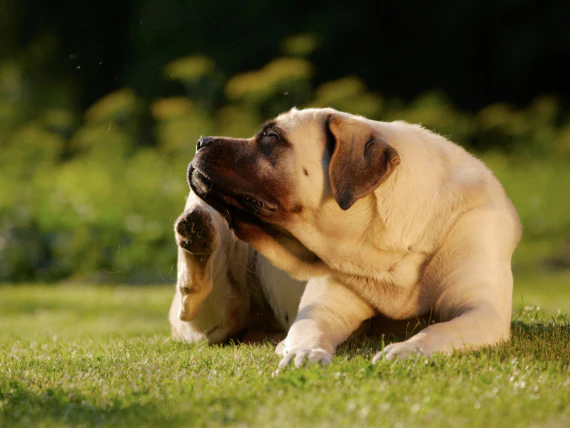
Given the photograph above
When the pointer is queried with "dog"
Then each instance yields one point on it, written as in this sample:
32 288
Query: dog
379 218
225 289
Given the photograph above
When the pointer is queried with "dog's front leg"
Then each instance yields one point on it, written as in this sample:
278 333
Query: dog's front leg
473 275
480 325
328 314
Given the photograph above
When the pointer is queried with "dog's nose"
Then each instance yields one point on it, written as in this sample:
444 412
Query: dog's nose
203 142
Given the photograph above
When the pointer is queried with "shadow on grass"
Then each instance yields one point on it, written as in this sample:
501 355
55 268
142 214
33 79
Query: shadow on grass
19 406
534 335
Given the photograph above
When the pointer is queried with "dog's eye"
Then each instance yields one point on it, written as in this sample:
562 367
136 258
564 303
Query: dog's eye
268 142
271 135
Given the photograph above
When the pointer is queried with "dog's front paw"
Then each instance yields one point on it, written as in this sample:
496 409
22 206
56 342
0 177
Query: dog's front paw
401 351
301 356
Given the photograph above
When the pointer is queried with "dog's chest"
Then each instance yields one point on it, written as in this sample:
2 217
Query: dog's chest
390 281
399 268
281 292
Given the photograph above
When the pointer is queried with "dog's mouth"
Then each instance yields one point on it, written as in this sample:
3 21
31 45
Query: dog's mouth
255 204
222 200
239 209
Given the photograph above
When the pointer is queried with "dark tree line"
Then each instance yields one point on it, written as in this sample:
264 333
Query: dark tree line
476 51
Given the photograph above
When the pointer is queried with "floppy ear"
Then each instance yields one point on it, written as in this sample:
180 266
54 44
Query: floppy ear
360 162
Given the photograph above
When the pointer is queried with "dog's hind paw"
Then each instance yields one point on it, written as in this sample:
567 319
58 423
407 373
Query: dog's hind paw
195 232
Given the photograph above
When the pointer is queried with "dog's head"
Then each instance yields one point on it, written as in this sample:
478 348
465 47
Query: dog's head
300 168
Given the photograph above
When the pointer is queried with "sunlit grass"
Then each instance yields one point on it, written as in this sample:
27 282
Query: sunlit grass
548 289
44 311
81 355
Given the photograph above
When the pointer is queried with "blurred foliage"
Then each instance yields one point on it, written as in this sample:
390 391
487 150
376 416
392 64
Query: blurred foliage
348 94
270 90
300 44
190 69
93 162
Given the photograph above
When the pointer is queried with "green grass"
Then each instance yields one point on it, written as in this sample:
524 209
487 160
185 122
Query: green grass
549 290
536 187
101 356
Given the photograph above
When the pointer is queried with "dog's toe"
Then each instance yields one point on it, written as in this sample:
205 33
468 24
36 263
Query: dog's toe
305 356
320 356
400 351
280 348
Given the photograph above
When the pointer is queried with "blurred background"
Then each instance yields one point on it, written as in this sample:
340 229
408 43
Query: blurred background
101 104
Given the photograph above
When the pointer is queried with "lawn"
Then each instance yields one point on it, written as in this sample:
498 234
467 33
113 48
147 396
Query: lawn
93 356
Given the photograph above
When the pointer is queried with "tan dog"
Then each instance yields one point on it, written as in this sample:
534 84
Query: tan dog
225 289
379 217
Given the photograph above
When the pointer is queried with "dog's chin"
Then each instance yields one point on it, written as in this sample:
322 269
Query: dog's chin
235 206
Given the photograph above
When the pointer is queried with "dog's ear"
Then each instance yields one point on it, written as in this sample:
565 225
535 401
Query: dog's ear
361 159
